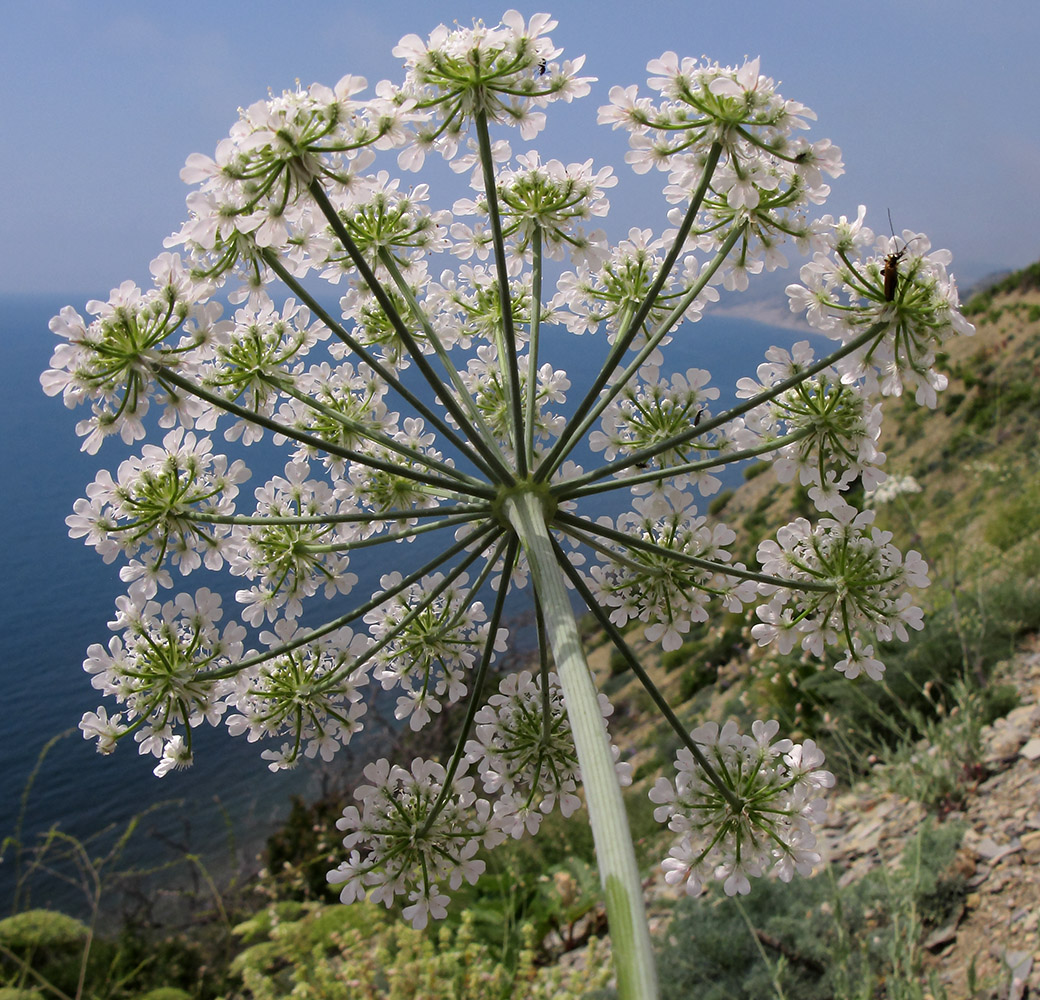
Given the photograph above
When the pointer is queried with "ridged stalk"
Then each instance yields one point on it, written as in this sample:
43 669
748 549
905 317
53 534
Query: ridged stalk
615 855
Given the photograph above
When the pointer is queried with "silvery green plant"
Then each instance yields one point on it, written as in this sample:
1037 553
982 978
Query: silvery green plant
426 405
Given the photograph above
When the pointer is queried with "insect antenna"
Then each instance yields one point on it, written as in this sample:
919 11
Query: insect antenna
890 269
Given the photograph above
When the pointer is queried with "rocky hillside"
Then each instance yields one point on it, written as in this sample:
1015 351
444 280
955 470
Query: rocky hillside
994 931
975 514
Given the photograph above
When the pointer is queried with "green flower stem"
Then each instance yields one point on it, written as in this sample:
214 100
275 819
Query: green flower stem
289 280
584 529
543 668
359 429
644 678
586 538
619 874
475 699
647 454
508 361
577 432
566 441
532 348
696 199
479 538
395 536
564 491
451 404
365 516
440 487
428 598
478 422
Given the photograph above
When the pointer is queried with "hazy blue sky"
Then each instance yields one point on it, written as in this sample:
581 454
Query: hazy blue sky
936 106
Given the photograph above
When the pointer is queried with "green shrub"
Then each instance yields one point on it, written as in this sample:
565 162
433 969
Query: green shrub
334 952
719 502
618 664
33 929
811 939
648 769
672 659
696 677
938 769
614 683
783 690
48 943
1015 517
997 701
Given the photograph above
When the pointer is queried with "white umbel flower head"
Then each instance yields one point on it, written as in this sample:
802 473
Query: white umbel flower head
851 581
525 752
416 831
743 807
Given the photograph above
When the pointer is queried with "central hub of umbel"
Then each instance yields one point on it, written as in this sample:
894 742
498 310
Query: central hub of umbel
526 487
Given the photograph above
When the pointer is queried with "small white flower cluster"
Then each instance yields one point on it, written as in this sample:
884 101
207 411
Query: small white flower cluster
761 822
417 832
164 671
892 487
418 829
274 151
525 752
147 509
113 360
669 583
540 201
429 638
657 410
350 412
613 291
502 73
766 178
467 304
292 559
381 217
831 426
248 358
169 671
861 282
309 692
859 580
487 384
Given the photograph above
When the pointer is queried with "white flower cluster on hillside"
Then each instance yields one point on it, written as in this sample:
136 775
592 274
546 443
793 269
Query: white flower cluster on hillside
426 405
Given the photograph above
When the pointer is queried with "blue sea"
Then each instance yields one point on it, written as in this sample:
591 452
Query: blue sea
60 596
